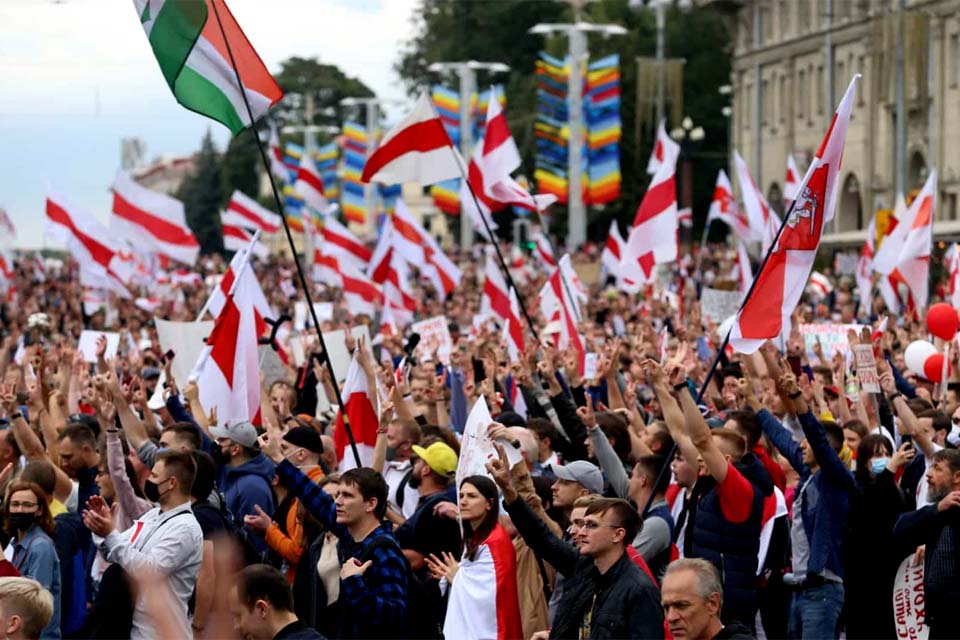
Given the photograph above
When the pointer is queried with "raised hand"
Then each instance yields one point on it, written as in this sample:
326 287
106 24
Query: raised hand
270 443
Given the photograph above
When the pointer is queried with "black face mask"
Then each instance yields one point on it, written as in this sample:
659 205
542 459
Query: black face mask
152 490
22 521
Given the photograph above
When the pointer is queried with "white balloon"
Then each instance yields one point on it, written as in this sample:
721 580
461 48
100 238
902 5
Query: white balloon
916 354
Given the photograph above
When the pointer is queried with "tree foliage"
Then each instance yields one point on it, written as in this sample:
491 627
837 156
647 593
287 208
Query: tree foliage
202 196
326 82
448 30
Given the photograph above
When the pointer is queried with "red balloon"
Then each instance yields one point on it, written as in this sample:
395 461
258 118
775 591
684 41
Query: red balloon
942 321
933 368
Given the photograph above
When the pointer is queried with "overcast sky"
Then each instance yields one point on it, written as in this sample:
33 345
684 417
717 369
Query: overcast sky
78 75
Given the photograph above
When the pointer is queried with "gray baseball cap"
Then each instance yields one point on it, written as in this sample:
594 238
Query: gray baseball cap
242 432
582 472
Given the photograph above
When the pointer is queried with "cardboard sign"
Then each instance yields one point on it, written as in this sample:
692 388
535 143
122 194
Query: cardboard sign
866 368
435 334
476 447
909 601
833 337
718 305
336 342
301 314
88 344
187 340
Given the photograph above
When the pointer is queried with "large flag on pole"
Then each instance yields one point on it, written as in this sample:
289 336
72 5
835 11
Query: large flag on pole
912 267
152 222
228 370
362 409
187 39
791 182
612 250
244 211
864 274
418 149
778 286
724 208
764 223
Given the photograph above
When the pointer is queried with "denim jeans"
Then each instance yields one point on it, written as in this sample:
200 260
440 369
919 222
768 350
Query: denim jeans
815 611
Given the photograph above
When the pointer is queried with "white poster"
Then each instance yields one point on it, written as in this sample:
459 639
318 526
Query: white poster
88 344
476 447
909 601
186 340
866 368
718 305
336 342
301 315
831 336
435 336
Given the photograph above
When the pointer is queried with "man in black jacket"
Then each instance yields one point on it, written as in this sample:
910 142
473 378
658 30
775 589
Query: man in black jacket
938 527
606 595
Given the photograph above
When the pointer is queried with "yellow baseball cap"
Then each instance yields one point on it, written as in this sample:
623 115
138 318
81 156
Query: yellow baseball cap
441 459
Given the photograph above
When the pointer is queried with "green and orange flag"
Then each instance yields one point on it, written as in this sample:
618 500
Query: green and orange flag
186 37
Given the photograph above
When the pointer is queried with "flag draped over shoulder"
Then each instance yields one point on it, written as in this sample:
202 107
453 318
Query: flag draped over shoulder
187 40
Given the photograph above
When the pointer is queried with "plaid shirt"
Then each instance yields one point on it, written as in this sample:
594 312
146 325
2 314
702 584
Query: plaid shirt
373 605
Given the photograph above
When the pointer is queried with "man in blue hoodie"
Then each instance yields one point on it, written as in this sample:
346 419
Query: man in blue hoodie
246 475
819 511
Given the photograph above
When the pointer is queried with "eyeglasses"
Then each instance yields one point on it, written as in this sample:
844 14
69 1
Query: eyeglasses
23 505
593 526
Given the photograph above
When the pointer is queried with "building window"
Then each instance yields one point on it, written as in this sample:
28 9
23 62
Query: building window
861 86
839 81
783 12
765 102
951 208
784 104
819 91
801 90
954 60
803 13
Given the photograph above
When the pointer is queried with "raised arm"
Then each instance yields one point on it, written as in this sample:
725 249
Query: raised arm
705 443
672 414
606 456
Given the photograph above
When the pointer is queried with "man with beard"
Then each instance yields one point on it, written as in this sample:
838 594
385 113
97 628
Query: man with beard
425 532
938 527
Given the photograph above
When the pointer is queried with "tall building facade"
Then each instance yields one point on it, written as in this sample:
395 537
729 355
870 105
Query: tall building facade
792 61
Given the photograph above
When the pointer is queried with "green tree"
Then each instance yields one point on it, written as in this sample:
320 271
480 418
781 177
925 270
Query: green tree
202 196
498 31
241 166
325 82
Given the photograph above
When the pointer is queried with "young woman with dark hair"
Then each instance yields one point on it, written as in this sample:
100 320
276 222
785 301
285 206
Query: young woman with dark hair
475 610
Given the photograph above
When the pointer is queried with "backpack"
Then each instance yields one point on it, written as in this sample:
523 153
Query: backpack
422 618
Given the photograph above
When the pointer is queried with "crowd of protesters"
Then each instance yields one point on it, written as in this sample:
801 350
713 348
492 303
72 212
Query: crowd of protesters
778 500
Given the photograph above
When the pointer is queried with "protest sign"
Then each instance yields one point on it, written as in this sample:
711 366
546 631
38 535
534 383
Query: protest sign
718 305
336 342
435 335
833 337
866 368
476 447
271 366
590 366
186 340
845 263
909 601
88 344
301 315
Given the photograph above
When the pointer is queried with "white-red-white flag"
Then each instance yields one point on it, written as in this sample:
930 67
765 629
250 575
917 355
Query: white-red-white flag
152 222
418 149
236 238
653 236
244 211
238 265
228 370
277 166
819 285
419 248
309 184
326 268
864 274
379 264
952 264
362 407
362 295
663 149
91 245
743 274
724 208
543 250
780 283
791 182
558 304
612 250
764 223
397 290
7 274
6 224
340 241
500 302
914 233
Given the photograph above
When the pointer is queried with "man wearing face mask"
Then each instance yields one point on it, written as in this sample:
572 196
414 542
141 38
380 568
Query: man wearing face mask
302 447
246 474
398 471
166 539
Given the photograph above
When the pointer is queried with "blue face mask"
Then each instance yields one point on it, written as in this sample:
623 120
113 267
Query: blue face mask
877 465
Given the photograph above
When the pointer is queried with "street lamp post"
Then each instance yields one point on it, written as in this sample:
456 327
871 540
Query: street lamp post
689 136
577 52
467 73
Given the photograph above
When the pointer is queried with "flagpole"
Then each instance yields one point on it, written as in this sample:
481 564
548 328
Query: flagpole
293 249
248 252
496 245
724 343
